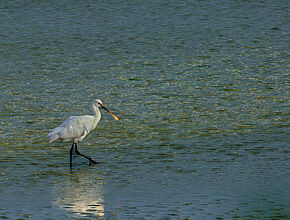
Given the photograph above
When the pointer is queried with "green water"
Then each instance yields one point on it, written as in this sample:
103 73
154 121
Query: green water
201 89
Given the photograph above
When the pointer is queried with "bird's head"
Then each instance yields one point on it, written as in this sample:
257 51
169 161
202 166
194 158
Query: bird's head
98 103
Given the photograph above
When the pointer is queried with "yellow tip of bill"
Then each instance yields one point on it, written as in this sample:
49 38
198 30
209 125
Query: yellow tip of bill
115 117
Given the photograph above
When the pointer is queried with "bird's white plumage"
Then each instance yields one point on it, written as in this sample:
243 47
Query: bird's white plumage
76 128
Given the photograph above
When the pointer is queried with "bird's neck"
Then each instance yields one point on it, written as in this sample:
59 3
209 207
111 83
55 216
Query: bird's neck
96 113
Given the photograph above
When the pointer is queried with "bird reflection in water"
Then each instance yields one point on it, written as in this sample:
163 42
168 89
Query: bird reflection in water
82 194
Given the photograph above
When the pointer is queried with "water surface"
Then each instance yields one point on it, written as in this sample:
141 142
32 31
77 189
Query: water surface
201 91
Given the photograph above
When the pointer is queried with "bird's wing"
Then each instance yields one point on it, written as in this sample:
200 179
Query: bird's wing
75 127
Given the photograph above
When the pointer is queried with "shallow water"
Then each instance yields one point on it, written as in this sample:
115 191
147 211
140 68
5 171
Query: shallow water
201 91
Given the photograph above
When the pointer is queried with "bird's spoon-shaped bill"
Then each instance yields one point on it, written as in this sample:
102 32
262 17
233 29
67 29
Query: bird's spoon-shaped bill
115 117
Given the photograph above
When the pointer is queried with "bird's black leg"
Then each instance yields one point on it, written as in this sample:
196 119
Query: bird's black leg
90 159
70 156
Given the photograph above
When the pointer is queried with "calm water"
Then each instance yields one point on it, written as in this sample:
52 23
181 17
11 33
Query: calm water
201 89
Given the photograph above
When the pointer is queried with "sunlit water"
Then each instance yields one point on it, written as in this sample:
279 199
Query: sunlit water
201 89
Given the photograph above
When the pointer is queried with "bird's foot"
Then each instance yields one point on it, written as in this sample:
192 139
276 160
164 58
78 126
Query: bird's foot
92 161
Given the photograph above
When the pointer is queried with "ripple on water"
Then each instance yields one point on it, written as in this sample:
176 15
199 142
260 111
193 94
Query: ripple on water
202 97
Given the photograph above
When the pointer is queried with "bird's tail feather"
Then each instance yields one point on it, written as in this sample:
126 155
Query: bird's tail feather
54 134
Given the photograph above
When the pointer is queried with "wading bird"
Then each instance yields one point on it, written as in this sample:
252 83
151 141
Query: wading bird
76 128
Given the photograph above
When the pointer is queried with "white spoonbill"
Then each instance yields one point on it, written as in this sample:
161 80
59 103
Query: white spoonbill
76 128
